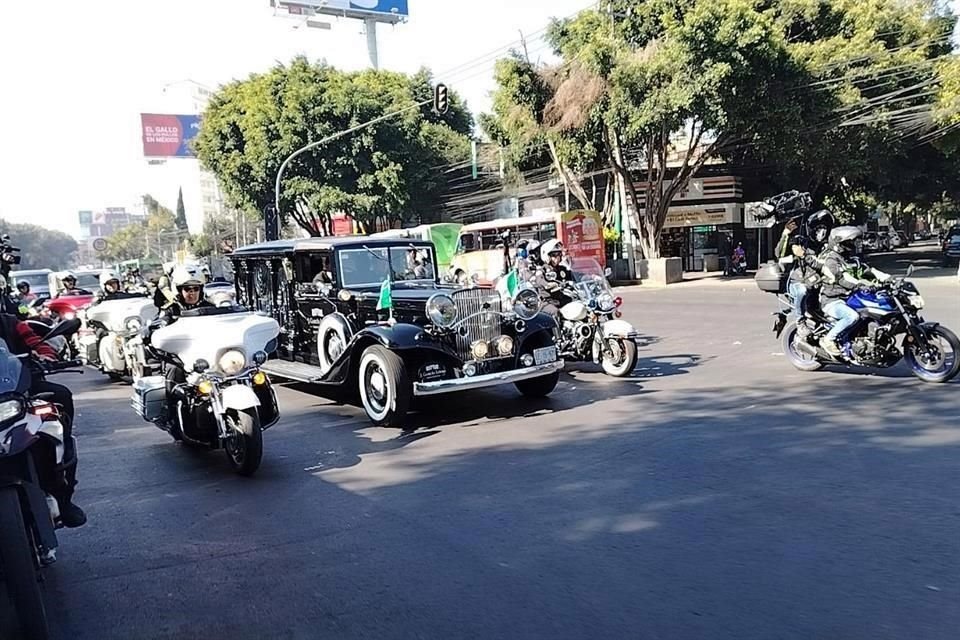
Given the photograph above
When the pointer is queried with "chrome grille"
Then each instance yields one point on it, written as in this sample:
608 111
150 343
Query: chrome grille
481 307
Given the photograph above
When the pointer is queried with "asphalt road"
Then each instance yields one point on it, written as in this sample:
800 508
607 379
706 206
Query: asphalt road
718 493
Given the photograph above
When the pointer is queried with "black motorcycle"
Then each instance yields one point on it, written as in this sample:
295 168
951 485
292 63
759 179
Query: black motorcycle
31 443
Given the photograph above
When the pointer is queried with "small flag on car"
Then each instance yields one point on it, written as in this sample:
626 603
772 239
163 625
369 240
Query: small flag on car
386 298
509 284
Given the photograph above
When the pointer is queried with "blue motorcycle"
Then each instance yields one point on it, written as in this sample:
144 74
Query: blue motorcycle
890 329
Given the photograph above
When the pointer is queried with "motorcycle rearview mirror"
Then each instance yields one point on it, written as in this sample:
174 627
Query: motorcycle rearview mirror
63 328
608 272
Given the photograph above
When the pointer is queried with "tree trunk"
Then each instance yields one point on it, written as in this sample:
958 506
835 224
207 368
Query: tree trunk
569 179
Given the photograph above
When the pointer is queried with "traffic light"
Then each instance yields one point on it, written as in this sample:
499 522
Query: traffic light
271 223
441 98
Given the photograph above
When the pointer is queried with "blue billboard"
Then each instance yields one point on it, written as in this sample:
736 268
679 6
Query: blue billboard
381 10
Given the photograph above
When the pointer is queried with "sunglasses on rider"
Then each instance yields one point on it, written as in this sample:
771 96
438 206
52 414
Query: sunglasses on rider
192 289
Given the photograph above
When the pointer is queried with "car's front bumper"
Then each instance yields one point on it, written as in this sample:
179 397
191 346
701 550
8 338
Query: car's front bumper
486 380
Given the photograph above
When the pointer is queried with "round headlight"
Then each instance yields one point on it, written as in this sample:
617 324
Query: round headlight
133 324
231 362
441 310
526 304
260 357
504 345
479 349
605 302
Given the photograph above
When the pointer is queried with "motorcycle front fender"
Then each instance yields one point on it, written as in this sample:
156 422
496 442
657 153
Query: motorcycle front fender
619 329
238 397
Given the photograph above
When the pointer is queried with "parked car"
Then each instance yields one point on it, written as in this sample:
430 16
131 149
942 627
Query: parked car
368 318
37 278
871 242
951 248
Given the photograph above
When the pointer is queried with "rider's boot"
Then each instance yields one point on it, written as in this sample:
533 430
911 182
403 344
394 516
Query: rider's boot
830 346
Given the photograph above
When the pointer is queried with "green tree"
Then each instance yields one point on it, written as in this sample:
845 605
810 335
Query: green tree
808 90
388 171
40 248
156 237
181 219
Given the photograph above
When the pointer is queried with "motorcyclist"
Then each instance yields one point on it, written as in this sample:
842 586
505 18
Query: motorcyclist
555 273
843 273
21 339
70 286
23 293
111 289
189 296
805 276
164 295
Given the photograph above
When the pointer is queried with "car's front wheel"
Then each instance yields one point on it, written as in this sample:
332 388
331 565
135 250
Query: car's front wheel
384 386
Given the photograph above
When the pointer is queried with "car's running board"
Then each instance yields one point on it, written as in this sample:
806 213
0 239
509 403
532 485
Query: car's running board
299 371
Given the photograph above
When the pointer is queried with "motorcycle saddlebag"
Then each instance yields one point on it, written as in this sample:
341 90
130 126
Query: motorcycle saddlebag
149 397
772 278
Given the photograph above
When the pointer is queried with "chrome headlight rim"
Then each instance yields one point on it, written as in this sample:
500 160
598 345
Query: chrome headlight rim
231 362
605 302
435 307
133 323
528 310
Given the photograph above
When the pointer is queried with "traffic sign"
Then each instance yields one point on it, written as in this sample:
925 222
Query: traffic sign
100 244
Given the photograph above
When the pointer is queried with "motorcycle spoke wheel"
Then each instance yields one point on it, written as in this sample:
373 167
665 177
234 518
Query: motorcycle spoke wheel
619 357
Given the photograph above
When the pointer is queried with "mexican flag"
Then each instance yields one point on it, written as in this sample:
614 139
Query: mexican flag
386 299
509 284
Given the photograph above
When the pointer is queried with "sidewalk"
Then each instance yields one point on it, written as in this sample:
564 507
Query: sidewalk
693 279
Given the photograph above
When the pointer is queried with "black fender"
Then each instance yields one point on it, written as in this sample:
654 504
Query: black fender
400 337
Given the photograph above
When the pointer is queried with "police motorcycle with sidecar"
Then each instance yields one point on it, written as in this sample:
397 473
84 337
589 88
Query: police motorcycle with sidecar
223 400
113 343
368 319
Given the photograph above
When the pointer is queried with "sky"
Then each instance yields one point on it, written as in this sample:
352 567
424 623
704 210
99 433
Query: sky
76 75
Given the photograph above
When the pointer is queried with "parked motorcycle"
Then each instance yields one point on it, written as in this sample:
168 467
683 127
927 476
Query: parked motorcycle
887 311
226 401
115 345
589 327
30 427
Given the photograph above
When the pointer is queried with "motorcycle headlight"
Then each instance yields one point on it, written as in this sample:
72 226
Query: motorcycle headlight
441 310
10 410
915 300
260 357
232 362
133 324
526 304
605 302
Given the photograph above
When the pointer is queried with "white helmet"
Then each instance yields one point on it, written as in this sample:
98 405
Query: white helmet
107 276
550 246
183 276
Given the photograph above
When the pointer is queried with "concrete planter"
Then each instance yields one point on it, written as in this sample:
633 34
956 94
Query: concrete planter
660 271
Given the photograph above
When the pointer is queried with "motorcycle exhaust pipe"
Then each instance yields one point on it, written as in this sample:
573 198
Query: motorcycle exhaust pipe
806 348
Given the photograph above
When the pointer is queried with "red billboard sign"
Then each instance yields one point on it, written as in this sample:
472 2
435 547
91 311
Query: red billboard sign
168 136
582 235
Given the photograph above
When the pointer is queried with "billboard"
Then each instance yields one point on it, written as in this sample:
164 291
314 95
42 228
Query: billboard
86 217
390 11
582 235
168 136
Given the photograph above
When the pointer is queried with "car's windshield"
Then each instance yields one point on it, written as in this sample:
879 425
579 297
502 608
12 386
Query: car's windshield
369 266
34 279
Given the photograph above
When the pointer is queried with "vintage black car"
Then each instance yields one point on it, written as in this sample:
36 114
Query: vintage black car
424 339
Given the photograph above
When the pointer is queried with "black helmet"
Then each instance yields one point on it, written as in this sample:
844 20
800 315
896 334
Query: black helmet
820 224
23 284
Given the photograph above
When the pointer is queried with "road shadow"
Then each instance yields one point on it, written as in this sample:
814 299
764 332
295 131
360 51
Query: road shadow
720 511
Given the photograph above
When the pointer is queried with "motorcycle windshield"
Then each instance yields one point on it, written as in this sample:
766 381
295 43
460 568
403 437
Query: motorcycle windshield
13 377
590 278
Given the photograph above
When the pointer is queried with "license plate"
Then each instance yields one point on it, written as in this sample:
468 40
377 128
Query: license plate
544 355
